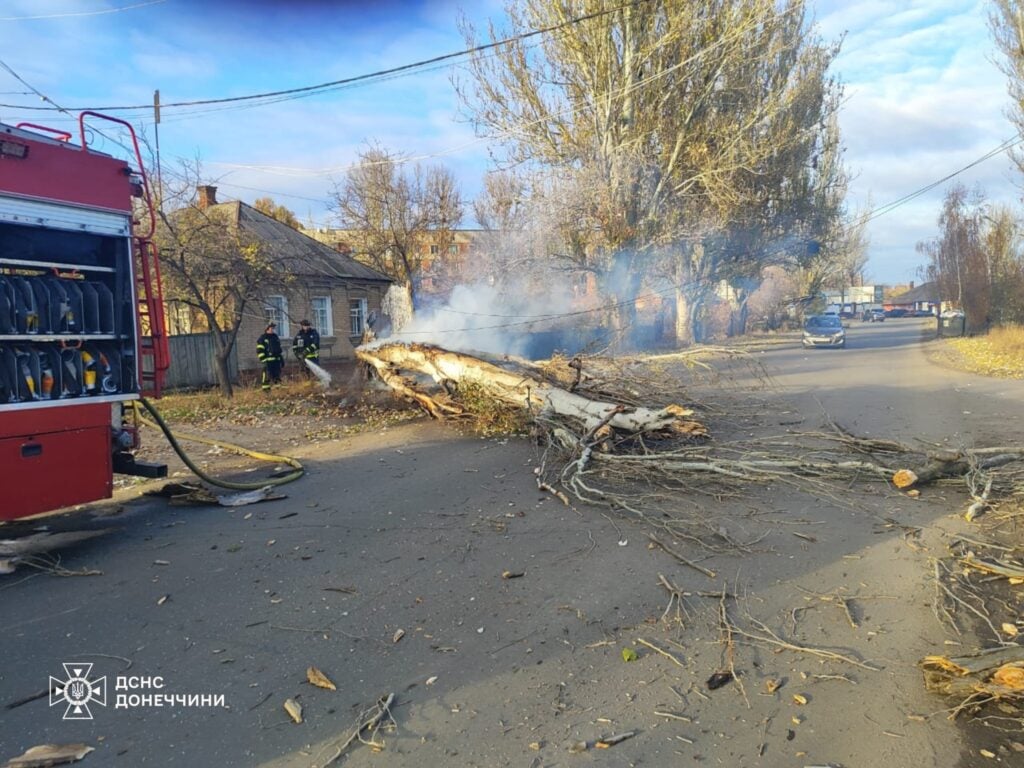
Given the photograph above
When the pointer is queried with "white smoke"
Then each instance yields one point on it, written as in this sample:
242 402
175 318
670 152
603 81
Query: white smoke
499 319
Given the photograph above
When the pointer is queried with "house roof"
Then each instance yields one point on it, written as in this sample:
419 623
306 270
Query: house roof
923 292
300 254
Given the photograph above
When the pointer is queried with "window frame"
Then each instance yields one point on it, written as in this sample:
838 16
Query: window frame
327 327
277 314
357 311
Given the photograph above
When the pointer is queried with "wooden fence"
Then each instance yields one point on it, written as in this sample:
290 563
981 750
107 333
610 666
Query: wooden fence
193 362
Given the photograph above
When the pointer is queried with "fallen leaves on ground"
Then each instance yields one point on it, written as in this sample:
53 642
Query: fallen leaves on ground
999 354
319 679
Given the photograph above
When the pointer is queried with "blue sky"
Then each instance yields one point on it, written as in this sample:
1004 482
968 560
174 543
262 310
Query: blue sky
923 94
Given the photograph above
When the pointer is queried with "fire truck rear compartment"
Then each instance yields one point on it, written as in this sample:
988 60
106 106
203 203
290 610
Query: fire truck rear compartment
54 458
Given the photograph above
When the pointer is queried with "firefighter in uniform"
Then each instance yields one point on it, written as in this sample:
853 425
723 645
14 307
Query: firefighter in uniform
306 345
268 352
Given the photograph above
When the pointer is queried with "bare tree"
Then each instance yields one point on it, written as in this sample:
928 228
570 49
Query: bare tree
1007 24
679 115
1002 237
957 258
393 213
208 265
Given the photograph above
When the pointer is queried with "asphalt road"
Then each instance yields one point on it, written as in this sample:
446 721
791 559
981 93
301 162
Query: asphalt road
411 530
883 382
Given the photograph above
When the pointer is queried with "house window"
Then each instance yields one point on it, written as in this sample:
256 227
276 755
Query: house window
179 318
322 319
276 310
433 250
357 316
453 249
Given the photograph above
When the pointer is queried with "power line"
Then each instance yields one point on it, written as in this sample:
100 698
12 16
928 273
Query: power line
270 192
622 91
893 205
76 14
32 88
310 89
48 100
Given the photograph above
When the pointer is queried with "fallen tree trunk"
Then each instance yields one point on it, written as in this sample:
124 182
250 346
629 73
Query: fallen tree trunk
596 423
954 465
450 369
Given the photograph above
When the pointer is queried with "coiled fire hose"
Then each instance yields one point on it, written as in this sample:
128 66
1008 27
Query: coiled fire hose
160 424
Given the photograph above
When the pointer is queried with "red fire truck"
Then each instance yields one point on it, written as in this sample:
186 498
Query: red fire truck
81 315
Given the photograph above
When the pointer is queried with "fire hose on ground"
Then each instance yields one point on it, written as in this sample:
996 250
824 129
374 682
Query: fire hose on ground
160 424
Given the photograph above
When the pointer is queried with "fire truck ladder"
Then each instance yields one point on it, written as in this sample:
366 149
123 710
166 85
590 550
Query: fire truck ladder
150 324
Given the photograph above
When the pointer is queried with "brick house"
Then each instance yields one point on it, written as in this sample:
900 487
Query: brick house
442 256
330 289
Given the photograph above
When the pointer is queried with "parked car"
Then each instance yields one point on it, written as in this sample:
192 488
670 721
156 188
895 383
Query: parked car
896 312
875 316
824 331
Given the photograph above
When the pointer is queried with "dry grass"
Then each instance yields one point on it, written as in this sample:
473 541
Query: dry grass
288 399
1000 353
298 404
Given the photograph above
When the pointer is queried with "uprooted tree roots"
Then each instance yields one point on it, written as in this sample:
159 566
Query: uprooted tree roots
615 439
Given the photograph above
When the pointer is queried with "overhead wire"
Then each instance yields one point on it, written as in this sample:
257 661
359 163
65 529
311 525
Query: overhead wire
79 14
310 89
10 70
569 109
422 66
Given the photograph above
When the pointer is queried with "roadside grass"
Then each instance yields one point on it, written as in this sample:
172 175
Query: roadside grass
204 406
1000 353
322 415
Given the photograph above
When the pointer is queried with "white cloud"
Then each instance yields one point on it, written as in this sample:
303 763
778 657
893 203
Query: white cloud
924 99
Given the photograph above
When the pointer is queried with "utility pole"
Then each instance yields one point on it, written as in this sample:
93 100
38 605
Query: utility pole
156 133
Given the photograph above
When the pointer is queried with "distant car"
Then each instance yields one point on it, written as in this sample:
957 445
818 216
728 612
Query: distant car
874 316
922 313
896 312
824 331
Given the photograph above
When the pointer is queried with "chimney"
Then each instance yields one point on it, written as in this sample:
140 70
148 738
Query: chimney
911 285
207 196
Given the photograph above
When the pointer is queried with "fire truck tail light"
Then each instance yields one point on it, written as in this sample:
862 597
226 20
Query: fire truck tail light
13 149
